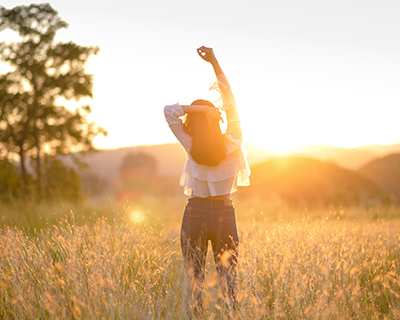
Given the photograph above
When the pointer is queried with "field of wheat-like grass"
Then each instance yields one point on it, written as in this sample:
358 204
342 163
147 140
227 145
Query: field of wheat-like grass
305 269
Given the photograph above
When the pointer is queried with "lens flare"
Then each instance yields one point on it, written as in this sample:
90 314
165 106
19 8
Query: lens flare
137 216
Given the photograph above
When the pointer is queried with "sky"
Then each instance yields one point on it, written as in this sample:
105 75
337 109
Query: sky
303 72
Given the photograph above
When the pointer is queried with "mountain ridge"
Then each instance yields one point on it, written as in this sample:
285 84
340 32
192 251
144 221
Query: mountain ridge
307 181
171 156
385 172
348 163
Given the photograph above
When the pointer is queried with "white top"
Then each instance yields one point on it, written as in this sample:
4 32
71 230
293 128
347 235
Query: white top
204 181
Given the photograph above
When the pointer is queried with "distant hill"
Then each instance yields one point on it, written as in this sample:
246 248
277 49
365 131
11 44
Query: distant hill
106 163
350 158
385 172
170 158
304 180
329 175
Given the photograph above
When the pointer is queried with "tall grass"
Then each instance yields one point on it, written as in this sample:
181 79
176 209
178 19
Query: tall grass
130 269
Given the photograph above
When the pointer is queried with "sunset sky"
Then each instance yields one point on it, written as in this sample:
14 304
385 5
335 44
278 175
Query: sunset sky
303 72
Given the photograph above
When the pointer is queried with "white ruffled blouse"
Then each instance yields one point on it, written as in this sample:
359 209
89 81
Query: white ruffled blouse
224 178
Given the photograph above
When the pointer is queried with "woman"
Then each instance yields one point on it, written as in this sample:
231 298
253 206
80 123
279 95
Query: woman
215 166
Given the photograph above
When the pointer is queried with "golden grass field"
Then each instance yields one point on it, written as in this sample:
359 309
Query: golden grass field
329 266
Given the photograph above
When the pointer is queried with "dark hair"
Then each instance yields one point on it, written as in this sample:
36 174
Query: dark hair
208 146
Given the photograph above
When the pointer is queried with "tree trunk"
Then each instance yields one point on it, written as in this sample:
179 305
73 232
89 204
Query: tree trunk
39 184
24 179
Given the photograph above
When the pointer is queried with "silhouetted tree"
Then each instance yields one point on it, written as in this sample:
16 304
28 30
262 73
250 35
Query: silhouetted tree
140 161
10 186
137 177
33 121
92 184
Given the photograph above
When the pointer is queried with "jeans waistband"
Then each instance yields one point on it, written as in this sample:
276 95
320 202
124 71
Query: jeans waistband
211 202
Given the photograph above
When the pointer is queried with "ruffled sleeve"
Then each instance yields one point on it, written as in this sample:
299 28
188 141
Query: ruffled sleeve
173 113
221 84
233 134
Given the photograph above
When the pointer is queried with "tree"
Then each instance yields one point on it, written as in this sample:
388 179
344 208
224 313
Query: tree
140 162
60 181
137 177
33 121
9 182
92 184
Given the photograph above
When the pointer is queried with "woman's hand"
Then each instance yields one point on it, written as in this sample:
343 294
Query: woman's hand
206 54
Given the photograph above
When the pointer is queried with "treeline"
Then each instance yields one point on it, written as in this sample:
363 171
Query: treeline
59 182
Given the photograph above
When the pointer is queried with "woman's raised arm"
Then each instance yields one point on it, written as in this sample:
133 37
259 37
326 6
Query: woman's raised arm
229 104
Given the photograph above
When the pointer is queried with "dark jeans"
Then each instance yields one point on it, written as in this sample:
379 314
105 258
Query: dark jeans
214 220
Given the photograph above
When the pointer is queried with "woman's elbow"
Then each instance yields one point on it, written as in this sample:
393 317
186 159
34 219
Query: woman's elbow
166 110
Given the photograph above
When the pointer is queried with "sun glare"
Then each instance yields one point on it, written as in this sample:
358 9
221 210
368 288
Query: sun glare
281 144
137 216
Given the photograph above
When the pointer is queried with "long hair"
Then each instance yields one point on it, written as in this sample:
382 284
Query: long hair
208 146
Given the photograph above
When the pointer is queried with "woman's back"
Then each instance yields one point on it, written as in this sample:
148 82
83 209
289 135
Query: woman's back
209 181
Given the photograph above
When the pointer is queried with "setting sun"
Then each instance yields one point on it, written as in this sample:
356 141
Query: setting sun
309 82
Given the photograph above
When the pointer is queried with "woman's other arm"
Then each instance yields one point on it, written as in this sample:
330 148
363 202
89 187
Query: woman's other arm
173 114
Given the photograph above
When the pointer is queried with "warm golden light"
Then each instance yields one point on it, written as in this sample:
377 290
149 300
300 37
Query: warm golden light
280 142
137 216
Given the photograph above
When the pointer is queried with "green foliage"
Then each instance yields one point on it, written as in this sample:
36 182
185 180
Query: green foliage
92 184
10 184
61 182
33 123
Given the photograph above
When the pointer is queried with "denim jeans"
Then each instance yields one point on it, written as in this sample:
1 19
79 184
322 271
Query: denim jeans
214 220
